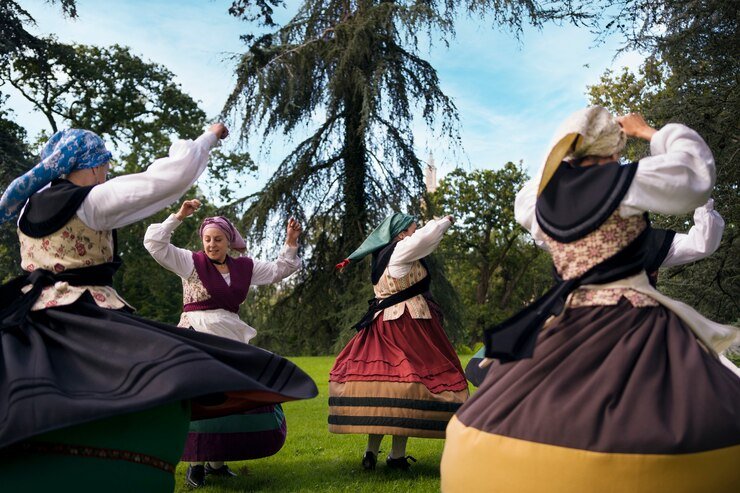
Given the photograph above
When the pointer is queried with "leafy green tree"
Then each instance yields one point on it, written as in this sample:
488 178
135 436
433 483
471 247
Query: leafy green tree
691 77
15 158
14 19
15 155
498 269
111 91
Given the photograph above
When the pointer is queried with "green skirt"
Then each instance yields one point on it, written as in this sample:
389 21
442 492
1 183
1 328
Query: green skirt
132 452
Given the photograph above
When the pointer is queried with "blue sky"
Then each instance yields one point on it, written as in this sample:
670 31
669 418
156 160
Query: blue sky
510 93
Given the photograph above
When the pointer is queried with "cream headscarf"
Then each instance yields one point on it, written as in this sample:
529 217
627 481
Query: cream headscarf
589 132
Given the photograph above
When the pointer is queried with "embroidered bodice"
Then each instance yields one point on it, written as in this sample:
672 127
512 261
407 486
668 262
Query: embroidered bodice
573 259
387 285
73 246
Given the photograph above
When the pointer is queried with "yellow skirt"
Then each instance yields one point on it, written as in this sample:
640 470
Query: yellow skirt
508 465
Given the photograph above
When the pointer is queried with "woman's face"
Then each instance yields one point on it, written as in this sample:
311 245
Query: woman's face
215 244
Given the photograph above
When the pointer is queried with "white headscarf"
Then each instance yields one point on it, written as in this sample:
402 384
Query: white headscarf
589 132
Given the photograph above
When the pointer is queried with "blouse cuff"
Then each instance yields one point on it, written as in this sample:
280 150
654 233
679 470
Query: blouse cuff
444 223
658 140
289 252
171 223
705 209
208 139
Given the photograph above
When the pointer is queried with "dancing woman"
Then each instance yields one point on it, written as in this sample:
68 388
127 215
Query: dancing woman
665 248
215 284
94 397
622 390
399 375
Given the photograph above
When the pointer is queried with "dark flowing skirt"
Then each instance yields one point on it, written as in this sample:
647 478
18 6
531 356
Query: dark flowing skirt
396 377
254 434
78 364
616 399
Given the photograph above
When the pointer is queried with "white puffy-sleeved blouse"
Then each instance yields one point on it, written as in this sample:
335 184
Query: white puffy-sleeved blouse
127 199
677 177
417 246
702 239
124 200
218 322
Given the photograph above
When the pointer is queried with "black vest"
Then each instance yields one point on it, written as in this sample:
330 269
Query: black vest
576 202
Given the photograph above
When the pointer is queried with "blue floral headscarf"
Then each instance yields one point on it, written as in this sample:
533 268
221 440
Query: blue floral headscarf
66 151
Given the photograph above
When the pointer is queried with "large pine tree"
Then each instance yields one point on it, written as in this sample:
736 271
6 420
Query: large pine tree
358 65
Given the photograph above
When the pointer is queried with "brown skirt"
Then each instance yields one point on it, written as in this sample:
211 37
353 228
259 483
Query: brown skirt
616 398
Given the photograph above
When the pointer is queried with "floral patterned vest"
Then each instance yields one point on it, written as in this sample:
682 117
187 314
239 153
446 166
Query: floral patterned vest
73 246
573 259
387 285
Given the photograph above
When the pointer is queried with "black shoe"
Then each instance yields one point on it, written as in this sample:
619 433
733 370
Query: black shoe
399 463
196 476
369 460
222 471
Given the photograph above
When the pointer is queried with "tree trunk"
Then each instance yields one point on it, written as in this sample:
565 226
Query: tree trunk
484 279
355 203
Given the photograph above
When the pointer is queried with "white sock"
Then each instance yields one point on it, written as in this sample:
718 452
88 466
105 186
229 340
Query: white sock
398 448
216 465
373 443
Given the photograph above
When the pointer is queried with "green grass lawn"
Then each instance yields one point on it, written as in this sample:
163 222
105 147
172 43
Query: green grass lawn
313 459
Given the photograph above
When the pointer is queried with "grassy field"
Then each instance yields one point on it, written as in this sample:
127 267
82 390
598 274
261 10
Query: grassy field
315 460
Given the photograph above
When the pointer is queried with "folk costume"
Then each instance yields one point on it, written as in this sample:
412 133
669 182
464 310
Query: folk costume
622 391
211 304
93 396
399 375
665 248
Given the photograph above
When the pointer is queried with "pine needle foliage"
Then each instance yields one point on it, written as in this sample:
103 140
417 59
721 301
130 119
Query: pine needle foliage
358 64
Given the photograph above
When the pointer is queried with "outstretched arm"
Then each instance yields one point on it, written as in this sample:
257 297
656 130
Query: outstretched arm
676 178
420 244
701 241
129 198
157 241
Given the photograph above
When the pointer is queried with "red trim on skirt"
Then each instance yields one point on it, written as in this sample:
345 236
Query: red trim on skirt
401 350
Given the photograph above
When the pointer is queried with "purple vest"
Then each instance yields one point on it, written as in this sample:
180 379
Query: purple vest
222 295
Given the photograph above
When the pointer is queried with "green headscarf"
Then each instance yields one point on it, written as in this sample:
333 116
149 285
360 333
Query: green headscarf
391 227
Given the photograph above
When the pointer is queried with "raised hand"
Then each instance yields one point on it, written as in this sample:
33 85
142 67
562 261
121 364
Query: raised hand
634 125
220 130
293 230
187 209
